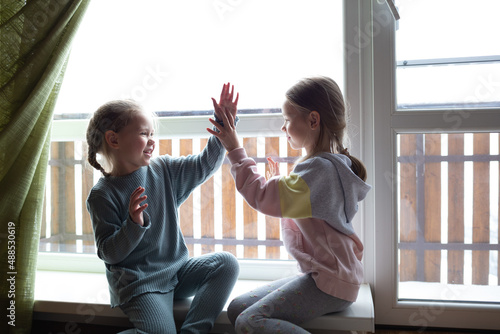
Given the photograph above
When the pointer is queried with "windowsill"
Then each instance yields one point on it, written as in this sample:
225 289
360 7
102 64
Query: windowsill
476 295
58 300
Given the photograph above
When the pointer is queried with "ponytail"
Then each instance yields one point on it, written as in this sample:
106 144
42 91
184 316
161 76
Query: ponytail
357 166
92 159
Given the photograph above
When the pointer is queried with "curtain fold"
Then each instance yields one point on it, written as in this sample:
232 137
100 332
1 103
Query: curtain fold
35 40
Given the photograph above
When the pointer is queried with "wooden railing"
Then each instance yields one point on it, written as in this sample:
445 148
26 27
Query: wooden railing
422 240
68 228
426 173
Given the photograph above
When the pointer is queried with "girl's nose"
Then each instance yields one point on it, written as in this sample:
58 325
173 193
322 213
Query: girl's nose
151 141
283 127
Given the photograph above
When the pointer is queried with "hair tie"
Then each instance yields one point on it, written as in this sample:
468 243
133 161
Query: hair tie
345 151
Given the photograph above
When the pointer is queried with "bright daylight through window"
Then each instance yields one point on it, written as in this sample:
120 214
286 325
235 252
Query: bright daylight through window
450 60
172 57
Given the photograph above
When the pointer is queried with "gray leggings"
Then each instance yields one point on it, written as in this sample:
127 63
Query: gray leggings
281 306
209 278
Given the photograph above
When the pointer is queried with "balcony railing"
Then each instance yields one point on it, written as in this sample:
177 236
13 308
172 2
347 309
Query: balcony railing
214 217
439 216
449 202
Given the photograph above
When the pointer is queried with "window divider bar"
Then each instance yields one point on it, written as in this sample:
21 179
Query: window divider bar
449 61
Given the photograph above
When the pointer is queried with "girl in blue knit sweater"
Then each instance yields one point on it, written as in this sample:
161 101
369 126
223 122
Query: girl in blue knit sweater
134 213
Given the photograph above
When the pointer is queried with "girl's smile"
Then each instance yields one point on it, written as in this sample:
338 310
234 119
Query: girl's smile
133 145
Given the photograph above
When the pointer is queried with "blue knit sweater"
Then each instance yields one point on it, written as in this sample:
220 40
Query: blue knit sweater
146 258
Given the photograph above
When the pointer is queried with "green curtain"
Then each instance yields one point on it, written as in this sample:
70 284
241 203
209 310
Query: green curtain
35 39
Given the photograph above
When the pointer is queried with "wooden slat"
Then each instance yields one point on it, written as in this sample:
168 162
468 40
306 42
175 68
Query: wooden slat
207 208
87 184
250 227
272 223
456 209
481 210
69 191
165 146
54 191
408 207
228 207
43 227
186 209
432 184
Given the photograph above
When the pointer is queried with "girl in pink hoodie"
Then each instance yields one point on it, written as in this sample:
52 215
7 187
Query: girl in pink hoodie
316 202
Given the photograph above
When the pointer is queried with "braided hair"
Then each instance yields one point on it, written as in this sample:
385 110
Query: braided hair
323 95
114 116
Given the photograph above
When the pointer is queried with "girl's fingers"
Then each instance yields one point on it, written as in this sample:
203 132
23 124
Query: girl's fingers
224 92
236 101
216 124
139 210
136 193
136 199
228 119
212 132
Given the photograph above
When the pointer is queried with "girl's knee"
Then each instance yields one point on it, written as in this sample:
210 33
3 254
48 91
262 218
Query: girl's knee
229 262
234 309
248 323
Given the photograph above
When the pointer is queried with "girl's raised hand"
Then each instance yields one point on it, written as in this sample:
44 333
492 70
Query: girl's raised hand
227 132
135 208
274 168
226 102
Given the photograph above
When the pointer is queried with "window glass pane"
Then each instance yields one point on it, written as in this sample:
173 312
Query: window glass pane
175 55
448 201
446 54
430 29
461 85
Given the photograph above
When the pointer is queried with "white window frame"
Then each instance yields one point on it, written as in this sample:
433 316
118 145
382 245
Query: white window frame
386 125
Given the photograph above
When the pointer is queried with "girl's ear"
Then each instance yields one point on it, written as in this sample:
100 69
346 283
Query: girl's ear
314 120
111 139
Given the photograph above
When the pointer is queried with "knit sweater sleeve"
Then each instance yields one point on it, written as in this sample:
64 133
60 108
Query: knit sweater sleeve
188 172
115 239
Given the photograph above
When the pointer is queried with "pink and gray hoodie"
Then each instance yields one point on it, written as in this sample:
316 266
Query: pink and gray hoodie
317 203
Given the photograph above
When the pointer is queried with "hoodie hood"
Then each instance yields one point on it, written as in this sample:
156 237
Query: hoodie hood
335 189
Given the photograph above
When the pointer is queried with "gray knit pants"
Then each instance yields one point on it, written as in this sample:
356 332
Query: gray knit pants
209 278
281 306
